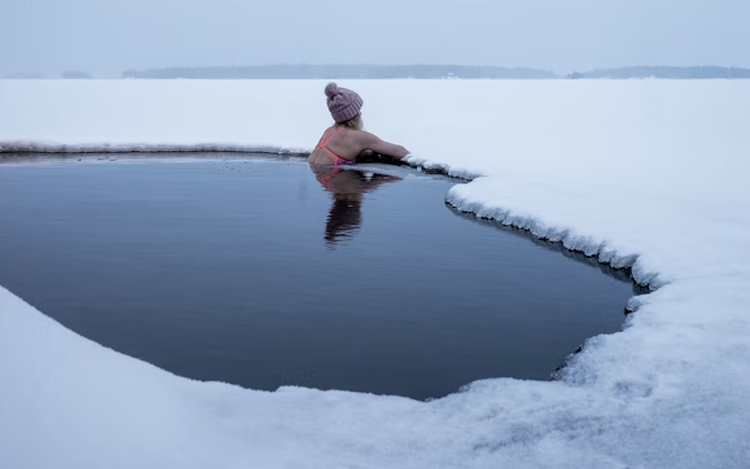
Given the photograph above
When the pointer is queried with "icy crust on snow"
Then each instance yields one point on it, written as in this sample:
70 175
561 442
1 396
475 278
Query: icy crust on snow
569 239
647 174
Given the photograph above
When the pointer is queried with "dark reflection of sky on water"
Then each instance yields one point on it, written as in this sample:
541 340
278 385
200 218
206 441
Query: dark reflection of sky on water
256 274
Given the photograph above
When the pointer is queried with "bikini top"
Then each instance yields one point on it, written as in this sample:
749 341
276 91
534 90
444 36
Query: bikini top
337 160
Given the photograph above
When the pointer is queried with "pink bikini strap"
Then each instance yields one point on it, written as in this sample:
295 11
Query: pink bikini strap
327 139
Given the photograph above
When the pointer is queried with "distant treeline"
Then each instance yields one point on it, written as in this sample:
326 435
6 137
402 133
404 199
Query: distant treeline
76 74
343 72
664 72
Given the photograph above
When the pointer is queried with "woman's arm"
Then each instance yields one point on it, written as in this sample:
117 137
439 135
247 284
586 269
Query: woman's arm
376 145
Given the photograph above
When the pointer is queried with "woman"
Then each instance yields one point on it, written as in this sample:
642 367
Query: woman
344 141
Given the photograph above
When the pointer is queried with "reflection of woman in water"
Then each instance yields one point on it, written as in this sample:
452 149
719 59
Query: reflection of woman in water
347 188
345 140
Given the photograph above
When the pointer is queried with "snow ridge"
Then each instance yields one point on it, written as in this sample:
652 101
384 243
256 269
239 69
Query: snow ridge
29 146
567 237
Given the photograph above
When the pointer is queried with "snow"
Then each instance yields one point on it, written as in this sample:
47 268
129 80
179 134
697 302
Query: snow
650 174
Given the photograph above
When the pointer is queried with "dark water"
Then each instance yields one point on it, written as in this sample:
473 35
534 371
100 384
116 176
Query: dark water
250 272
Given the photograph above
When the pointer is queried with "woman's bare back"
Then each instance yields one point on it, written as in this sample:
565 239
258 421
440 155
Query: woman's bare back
349 143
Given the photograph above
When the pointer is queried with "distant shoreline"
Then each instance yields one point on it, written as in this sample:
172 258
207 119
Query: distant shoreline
343 71
385 72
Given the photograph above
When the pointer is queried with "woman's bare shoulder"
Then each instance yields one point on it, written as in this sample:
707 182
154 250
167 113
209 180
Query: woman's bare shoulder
362 137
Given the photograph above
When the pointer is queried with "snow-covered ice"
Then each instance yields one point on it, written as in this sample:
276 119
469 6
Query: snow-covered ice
650 174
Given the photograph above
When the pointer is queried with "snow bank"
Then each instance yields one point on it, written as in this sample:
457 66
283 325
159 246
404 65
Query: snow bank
650 174
30 146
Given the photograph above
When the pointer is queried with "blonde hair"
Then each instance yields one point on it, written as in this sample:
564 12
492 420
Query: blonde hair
355 123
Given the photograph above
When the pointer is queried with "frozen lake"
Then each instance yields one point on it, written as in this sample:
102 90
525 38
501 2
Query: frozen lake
648 174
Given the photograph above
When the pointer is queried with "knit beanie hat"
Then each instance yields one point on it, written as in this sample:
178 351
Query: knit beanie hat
343 103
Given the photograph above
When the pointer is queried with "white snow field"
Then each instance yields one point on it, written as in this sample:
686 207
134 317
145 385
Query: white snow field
648 173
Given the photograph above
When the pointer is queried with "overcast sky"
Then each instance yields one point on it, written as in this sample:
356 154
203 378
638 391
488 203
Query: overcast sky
106 37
